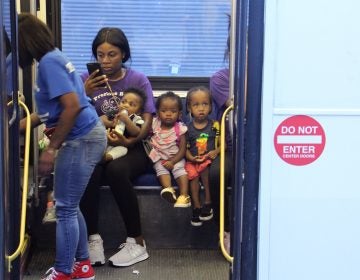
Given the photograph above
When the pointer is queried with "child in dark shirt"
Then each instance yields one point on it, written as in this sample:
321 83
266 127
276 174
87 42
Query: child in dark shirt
202 147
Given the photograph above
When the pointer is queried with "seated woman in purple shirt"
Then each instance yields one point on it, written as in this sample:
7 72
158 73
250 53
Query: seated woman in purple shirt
111 49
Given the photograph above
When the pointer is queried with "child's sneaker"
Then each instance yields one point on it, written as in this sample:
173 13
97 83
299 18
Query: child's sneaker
52 274
50 215
129 254
168 194
206 212
195 220
96 250
82 270
183 201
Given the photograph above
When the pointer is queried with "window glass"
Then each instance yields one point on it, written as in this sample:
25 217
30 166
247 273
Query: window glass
167 38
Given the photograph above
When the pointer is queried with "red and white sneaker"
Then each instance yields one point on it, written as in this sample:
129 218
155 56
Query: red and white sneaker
82 270
52 274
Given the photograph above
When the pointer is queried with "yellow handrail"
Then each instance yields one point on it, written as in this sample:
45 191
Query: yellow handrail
222 183
25 187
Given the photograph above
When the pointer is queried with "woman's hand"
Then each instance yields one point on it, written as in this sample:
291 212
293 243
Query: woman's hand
108 123
93 83
46 161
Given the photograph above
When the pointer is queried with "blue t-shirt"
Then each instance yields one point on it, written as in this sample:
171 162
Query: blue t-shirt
57 76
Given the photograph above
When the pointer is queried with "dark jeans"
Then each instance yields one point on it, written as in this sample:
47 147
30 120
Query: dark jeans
118 174
214 176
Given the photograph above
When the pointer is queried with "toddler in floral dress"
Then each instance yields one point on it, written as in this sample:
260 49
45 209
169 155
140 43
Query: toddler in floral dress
168 144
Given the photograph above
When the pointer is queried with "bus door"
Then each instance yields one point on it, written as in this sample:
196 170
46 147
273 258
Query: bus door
247 30
10 193
309 185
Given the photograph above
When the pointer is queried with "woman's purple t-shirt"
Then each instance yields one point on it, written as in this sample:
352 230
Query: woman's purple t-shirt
106 102
219 88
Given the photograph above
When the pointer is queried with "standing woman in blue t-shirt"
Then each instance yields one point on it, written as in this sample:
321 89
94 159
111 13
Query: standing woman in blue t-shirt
76 145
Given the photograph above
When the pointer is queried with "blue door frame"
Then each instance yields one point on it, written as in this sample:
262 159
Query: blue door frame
10 150
249 33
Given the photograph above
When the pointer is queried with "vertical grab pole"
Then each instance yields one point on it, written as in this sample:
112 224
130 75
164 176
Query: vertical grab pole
222 184
14 255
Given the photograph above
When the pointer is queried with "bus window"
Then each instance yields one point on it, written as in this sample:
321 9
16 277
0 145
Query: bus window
167 38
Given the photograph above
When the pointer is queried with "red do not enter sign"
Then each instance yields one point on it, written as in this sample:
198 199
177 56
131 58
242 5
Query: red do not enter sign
299 140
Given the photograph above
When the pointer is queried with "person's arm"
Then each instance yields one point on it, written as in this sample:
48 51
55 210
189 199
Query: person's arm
169 164
34 119
91 85
214 153
145 128
228 102
189 156
182 149
71 108
196 159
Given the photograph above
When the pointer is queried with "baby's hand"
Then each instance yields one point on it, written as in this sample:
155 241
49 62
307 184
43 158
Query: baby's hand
122 115
200 159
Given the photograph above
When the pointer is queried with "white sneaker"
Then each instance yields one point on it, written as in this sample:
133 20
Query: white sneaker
50 215
129 254
96 250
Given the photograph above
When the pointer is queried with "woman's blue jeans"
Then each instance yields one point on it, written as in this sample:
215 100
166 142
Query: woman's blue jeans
74 165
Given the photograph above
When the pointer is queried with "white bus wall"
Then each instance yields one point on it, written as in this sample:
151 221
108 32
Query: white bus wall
308 215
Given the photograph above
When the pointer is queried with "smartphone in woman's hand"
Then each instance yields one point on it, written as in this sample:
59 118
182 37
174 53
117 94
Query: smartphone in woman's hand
92 67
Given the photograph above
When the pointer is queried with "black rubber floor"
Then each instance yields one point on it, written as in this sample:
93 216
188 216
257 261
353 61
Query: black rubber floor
163 264
163 226
177 250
